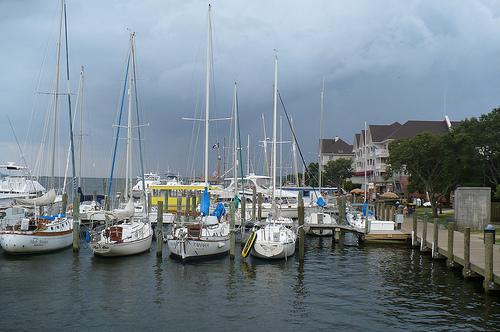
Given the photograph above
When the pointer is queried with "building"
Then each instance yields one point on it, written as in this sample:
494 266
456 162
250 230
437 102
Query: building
333 149
370 151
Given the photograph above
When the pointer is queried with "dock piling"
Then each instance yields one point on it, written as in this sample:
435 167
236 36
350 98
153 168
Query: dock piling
159 230
302 236
423 241
450 261
232 249
489 284
414 239
76 224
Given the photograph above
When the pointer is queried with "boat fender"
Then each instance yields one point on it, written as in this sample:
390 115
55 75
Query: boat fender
249 244
87 236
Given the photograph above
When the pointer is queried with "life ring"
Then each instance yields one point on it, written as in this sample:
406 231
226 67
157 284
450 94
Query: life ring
249 244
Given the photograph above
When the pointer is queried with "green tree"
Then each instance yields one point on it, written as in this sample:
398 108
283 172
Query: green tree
312 175
433 163
481 136
336 172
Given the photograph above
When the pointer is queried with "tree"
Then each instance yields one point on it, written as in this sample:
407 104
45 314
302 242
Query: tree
433 162
336 172
482 138
312 175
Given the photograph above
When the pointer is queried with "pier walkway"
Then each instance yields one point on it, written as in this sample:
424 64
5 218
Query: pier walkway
462 251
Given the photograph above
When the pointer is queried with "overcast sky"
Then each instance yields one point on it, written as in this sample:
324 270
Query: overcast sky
382 61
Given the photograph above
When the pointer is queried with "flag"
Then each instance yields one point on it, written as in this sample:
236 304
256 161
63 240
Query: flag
214 174
215 146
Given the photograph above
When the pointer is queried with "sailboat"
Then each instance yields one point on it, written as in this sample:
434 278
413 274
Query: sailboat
123 234
209 235
319 217
274 239
38 229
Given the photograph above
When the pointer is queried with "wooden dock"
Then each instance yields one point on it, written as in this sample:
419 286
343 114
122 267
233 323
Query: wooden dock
476 256
399 235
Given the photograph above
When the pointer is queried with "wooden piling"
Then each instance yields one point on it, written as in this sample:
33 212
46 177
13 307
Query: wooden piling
435 239
76 224
489 284
342 204
165 206
254 197
302 235
193 203
450 261
423 241
232 249
259 207
243 211
159 230
467 272
64 203
106 203
179 204
150 202
435 242
414 240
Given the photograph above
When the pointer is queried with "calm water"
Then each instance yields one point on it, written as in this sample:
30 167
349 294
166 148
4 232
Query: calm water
347 288
374 288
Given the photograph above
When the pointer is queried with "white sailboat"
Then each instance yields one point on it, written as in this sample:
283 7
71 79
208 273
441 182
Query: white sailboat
319 217
123 234
209 235
274 239
32 231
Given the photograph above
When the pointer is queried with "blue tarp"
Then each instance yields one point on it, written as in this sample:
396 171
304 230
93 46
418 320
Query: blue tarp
365 209
321 202
205 203
47 217
219 211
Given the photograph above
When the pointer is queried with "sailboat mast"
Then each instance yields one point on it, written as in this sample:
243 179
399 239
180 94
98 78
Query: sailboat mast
235 155
265 144
320 154
128 184
75 191
80 141
207 93
275 118
366 166
56 93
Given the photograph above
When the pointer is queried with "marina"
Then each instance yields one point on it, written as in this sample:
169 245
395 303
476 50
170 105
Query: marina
376 288
348 237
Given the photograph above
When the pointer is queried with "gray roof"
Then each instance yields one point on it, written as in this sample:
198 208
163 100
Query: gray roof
332 146
412 128
380 133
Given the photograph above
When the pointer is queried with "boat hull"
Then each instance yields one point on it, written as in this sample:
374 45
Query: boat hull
23 243
121 249
123 239
191 249
274 242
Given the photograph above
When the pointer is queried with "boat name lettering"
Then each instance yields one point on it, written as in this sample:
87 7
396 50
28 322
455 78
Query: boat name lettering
200 245
38 242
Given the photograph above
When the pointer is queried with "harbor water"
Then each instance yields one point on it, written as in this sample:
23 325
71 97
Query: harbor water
347 288
377 287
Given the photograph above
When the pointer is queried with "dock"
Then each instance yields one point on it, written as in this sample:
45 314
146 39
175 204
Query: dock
476 256
372 236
